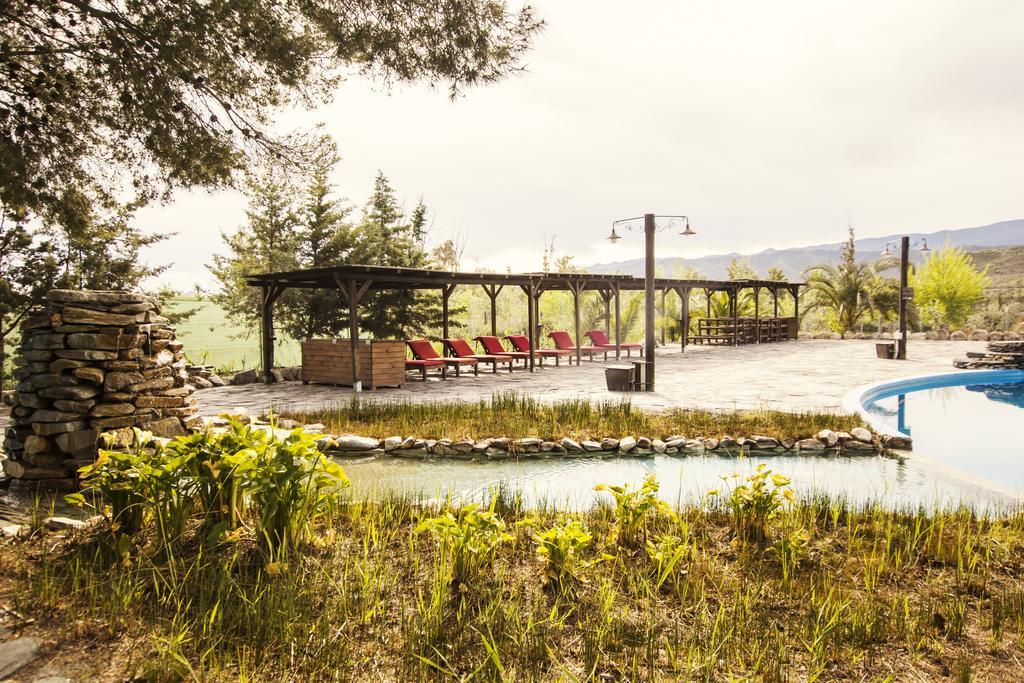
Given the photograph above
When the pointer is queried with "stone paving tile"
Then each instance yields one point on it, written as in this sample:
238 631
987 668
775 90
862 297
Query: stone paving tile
792 376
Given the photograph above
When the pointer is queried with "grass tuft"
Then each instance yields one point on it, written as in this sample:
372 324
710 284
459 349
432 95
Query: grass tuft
522 416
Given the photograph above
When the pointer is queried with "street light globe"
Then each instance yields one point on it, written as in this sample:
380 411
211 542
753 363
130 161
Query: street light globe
687 231
614 237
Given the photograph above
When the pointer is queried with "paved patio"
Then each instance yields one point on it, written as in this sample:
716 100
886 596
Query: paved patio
791 376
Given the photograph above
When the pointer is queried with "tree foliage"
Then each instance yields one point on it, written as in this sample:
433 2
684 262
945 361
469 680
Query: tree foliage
285 233
846 292
100 97
87 249
947 286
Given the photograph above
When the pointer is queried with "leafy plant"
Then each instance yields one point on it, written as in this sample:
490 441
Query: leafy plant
790 550
665 553
756 501
281 486
137 486
560 548
470 540
634 507
291 484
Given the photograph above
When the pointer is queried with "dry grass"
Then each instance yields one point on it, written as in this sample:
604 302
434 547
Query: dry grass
874 595
517 416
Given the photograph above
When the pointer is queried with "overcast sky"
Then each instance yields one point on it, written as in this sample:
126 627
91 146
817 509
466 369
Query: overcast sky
768 123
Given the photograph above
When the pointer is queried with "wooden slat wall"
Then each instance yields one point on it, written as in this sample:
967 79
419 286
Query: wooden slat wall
328 361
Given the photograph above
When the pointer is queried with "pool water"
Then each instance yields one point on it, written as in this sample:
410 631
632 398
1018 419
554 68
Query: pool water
974 428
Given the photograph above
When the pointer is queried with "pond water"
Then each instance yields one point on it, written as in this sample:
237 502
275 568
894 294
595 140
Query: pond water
569 482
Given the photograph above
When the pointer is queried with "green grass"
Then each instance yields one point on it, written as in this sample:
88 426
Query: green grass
523 416
872 595
211 339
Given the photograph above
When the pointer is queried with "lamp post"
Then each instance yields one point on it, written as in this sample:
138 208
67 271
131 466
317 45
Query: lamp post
906 292
650 226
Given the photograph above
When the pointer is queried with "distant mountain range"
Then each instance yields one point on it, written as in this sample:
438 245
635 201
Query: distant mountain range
794 260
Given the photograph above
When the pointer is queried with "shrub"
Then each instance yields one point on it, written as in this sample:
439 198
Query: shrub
469 541
634 508
281 486
756 501
560 549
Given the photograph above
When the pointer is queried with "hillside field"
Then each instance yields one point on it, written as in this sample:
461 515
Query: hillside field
210 338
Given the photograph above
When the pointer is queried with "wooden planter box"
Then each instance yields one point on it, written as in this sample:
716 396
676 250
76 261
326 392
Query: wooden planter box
329 361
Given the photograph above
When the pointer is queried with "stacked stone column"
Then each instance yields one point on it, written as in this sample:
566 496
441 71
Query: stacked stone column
92 362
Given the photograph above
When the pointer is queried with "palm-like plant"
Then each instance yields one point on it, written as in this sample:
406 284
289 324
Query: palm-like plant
847 291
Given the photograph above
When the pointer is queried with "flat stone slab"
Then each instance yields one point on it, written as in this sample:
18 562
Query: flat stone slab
15 654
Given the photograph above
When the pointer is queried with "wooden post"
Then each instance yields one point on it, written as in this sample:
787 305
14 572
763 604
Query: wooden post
615 293
353 291
649 230
734 300
538 291
796 310
352 294
707 298
446 293
662 316
270 295
530 321
775 301
684 316
757 315
576 288
492 292
607 296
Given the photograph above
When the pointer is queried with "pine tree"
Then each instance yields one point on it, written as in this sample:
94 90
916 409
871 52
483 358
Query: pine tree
268 243
386 238
325 238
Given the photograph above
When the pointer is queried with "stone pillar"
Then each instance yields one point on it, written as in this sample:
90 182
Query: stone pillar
92 362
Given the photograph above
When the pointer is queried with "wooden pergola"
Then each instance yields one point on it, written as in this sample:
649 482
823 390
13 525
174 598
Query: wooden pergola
354 281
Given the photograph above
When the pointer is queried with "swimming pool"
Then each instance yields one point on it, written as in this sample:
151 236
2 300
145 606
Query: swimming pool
965 421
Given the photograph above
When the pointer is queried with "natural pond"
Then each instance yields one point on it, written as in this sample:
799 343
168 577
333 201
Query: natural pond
568 482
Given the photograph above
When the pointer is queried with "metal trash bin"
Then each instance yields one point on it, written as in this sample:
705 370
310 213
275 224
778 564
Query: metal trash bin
618 377
885 350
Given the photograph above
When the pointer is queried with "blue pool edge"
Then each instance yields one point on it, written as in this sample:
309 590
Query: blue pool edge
855 400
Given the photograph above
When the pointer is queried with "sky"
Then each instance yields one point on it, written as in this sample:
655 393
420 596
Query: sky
770 124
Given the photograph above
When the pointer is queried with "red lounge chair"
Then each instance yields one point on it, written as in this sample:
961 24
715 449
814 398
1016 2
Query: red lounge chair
422 366
601 341
462 349
493 346
424 351
564 343
522 344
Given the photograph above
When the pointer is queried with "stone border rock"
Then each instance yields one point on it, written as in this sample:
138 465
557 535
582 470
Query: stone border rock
931 335
857 442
